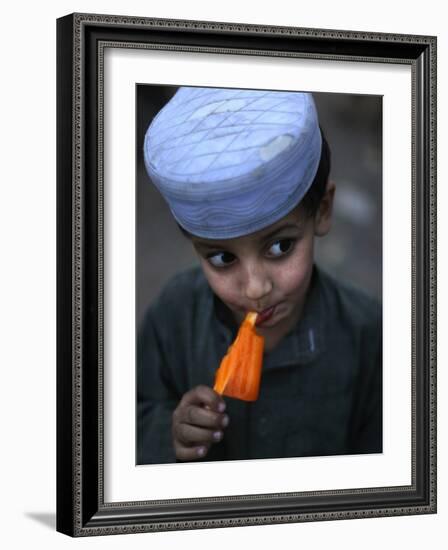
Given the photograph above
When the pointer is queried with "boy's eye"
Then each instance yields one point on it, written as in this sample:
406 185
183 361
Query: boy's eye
280 247
221 259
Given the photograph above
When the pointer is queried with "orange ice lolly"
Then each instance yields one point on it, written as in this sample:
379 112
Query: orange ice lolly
239 373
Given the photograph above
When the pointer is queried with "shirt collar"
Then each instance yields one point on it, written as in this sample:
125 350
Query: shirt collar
300 346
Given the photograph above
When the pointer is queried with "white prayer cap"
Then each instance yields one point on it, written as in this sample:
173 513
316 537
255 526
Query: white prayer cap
230 162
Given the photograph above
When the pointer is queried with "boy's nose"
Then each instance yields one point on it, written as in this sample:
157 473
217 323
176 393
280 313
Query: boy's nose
258 284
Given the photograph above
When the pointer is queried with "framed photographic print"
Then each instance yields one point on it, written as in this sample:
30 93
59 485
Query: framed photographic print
262 200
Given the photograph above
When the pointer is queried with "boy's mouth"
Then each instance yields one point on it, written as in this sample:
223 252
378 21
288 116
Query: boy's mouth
265 315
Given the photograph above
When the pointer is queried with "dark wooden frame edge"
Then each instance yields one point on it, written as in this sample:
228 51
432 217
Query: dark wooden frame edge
81 510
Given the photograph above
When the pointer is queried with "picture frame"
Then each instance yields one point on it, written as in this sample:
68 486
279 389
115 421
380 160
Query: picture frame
83 224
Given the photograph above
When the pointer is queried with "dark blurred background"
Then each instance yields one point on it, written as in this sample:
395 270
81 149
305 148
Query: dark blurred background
352 251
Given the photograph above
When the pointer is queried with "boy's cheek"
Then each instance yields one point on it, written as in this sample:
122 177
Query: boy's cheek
228 295
300 265
295 276
231 300
223 288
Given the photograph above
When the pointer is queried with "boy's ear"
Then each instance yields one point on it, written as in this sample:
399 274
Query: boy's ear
322 222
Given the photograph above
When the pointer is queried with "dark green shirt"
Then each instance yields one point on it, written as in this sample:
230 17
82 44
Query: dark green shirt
321 387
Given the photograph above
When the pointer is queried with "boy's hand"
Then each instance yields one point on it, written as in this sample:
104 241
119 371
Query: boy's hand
198 421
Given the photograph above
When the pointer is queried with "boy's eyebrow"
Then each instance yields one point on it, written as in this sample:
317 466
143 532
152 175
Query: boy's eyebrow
207 245
222 244
273 233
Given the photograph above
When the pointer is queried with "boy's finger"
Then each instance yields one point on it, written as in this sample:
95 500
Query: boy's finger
205 396
204 417
191 453
193 435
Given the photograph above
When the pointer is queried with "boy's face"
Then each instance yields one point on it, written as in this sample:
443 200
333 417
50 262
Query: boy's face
268 271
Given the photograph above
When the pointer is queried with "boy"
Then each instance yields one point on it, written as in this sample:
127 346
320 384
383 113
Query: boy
245 174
